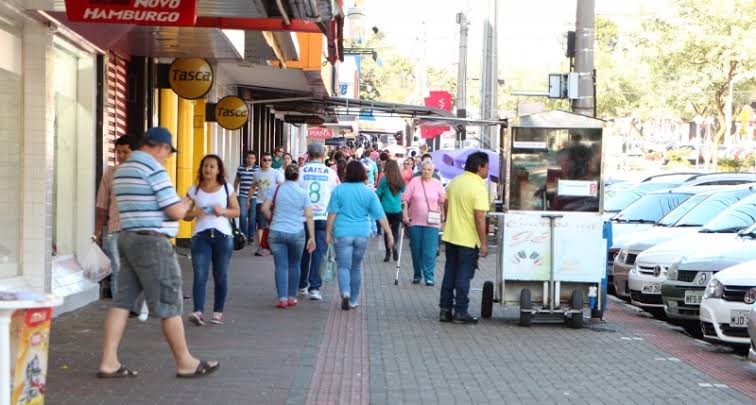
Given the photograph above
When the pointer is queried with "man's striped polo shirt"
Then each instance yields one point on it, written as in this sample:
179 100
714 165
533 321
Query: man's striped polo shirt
143 190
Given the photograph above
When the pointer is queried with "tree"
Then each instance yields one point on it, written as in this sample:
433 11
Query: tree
696 55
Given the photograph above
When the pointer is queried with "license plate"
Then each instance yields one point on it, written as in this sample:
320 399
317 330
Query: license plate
739 318
693 297
651 289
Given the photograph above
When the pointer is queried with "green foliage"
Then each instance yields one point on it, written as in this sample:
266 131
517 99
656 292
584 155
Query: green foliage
730 165
677 158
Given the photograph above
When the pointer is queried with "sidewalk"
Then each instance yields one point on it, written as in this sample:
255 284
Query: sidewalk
392 349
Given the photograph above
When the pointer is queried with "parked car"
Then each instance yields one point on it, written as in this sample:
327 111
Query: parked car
621 196
687 278
720 179
726 304
686 219
752 333
719 233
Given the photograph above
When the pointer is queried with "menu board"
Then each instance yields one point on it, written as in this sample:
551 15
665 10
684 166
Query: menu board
579 248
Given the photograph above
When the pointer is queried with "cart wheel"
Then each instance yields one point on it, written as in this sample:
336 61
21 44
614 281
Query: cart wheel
486 306
576 301
396 282
526 304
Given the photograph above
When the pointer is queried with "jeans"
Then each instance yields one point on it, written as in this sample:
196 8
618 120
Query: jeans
458 271
211 246
424 246
349 253
287 255
110 248
394 220
310 269
247 217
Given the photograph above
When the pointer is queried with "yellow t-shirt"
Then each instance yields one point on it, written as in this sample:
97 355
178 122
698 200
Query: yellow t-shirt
464 195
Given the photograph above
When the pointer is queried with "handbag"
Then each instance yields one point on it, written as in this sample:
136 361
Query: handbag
328 265
240 241
434 217
264 239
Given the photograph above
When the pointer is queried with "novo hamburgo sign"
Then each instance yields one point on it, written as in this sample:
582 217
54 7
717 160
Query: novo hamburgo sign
141 12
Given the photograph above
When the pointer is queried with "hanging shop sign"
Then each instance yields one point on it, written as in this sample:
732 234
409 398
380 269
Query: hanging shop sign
231 112
191 78
319 133
141 12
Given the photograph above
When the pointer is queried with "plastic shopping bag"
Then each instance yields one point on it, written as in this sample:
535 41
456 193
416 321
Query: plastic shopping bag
328 265
95 263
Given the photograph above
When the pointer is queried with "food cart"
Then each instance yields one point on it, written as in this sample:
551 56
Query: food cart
551 253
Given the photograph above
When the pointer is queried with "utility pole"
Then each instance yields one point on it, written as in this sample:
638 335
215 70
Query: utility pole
489 74
462 73
584 30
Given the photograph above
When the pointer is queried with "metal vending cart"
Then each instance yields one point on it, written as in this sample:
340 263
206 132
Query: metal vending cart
550 248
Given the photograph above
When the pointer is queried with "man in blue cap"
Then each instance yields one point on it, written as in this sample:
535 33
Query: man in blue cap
150 210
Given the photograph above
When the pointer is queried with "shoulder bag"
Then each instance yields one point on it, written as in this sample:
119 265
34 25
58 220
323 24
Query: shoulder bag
240 241
434 217
264 239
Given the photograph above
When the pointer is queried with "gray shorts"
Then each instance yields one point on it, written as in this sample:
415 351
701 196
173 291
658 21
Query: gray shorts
149 265
262 222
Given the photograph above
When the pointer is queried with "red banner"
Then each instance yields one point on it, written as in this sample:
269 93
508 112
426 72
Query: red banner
141 12
438 99
319 133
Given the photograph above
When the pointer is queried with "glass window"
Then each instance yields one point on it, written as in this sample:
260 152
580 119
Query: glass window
11 139
555 169
619 201
651 208
739 216
712 206
682 209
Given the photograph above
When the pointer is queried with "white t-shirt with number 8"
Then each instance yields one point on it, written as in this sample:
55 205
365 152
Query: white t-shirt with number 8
318 181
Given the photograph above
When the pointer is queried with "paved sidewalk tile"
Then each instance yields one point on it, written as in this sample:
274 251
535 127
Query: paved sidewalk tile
393 350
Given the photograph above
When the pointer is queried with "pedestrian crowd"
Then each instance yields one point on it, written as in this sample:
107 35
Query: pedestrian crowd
326 205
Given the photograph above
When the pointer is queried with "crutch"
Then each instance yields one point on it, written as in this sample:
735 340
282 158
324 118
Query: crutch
399 262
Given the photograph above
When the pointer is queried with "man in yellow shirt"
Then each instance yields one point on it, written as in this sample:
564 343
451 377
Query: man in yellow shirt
465 237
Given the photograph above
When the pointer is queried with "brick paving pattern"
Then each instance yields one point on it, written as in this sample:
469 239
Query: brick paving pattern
392 349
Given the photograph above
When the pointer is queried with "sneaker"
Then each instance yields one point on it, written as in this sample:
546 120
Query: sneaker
292 302
464 319
354 305
304 292
415 281
197 319
259 252
345 302
445 316
282 304
315 295
429 283
396 254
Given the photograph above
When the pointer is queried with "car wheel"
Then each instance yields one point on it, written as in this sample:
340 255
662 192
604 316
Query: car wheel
526 304
486 306
693 328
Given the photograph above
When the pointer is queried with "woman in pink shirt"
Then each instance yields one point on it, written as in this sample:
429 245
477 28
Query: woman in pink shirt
423 213
407 172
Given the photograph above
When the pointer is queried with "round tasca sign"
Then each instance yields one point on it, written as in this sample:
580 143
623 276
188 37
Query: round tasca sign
191 78
231 112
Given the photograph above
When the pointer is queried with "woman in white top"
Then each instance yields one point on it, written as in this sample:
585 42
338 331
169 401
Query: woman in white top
214 203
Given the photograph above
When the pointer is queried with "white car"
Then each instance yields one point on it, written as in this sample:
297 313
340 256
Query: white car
727 302
684 220
752 333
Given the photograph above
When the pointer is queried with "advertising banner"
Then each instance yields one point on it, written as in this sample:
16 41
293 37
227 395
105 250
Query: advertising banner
30 340
437 99
140 12
191 78
231 112
319 134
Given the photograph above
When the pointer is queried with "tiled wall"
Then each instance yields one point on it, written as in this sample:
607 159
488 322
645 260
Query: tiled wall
10 171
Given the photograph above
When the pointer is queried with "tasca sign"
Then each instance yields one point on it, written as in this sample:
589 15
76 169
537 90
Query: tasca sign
320 133
231 112
142 12
191 78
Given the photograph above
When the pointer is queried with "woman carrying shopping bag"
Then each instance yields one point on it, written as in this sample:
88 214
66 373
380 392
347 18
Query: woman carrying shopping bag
390 189
423 214
350 210
214 204
287 209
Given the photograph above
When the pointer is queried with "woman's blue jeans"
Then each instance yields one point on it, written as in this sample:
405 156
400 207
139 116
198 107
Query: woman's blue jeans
287 256
349 253
247 217
424 245
211 246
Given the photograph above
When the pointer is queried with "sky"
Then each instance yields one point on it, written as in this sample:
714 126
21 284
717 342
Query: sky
531 32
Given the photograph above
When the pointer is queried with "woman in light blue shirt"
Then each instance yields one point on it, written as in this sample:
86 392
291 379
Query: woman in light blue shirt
350 210
287 208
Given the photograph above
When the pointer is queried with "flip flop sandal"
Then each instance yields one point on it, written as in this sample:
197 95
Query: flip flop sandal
196 319
217 321
122 372
203 369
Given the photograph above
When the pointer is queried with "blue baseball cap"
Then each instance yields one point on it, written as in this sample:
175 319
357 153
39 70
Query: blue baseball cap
159 135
